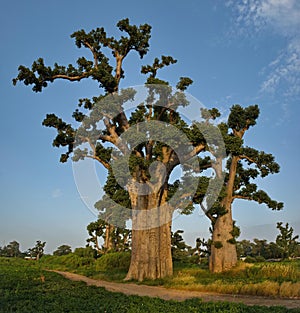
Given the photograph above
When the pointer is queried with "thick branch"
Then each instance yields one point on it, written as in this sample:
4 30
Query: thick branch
242 197
93 52
197 149
247 158
70 78
105 164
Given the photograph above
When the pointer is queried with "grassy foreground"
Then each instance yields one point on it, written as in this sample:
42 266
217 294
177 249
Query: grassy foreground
279 279
26 287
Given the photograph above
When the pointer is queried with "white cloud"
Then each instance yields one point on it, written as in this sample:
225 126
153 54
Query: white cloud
282 18
283 73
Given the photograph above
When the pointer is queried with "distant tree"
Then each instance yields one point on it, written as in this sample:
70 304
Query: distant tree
11 250
244 248
96 231
286 241
180 250
38 250
202 249
62 250
119 238
260 248
87 252
274 251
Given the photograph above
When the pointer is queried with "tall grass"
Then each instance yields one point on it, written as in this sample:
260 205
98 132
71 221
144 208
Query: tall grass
265 279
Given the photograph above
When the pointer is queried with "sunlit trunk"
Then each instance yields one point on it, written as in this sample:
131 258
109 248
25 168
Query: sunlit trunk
151 238
223 251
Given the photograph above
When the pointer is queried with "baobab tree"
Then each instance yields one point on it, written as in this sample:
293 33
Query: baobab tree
152 139
244 165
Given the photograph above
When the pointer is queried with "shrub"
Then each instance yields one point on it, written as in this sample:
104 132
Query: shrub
260 258
113 261
86 252
250 259
289 289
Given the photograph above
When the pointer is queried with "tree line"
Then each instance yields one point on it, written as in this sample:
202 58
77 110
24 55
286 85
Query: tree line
285 246
141 148
13 250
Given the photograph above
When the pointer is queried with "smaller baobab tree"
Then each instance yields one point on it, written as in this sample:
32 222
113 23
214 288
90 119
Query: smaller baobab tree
38 250
286 241
115 239
244 164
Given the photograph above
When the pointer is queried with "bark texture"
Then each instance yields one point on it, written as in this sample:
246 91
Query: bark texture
223 252
223 249
151 237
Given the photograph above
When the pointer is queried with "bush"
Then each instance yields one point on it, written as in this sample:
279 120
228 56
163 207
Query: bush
86 252
260 258
250 259
112 261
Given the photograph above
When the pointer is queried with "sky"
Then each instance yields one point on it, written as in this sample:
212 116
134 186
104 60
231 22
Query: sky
236 51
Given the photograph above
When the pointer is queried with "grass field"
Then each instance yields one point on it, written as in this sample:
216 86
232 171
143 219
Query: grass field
264 279
279 279
26 287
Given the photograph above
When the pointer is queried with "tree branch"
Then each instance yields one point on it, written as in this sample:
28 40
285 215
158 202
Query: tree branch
71 78
105 164
242 197
247 158
197 149
93 52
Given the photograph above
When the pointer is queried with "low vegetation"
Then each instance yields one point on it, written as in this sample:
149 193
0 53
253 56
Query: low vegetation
279 279
26 287
263 279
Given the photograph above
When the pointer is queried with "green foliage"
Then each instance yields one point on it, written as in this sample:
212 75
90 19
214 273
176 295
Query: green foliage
38 250
11 250
152 69
235 233
98 68
286 246
26 288
119 238
62 250
217 244
286 241
113 261
180 250
85 252
241 119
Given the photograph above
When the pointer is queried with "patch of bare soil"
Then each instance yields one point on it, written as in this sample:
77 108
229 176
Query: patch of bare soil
180 295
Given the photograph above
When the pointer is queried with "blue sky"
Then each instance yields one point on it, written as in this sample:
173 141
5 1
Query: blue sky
243 52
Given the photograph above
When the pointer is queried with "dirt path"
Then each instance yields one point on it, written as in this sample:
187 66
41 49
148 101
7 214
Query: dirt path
180 295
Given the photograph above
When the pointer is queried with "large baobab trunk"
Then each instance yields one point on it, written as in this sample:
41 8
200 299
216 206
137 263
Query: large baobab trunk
223 250
151 238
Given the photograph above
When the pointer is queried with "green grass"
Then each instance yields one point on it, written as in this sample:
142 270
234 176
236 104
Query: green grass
26 287
280 279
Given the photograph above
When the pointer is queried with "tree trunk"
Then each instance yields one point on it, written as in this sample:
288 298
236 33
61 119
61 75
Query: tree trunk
151 238
223 251
108 244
